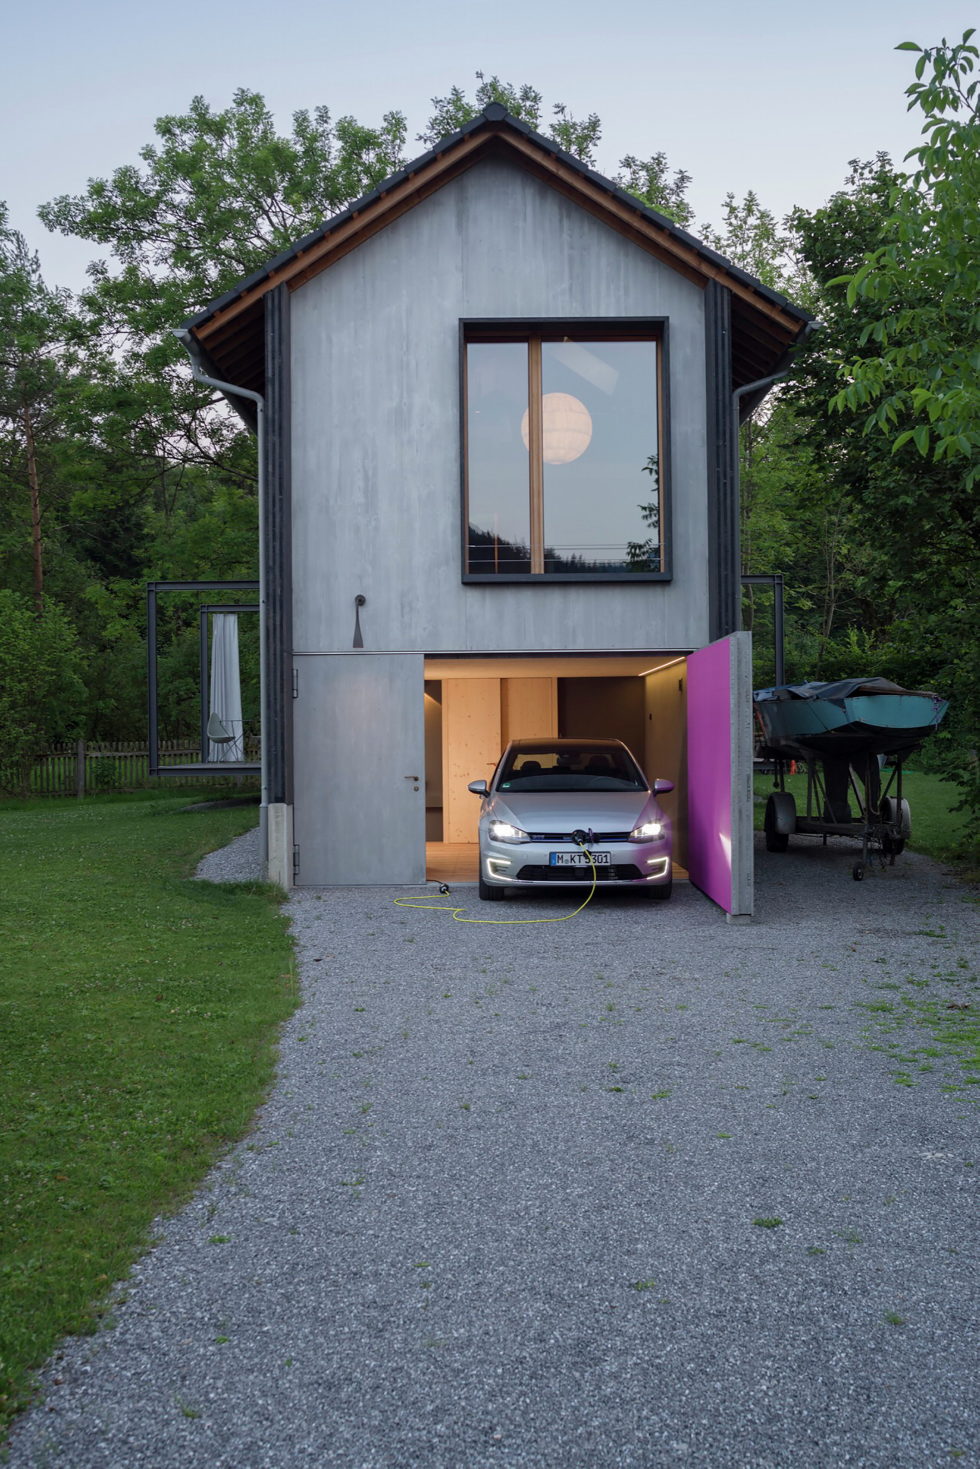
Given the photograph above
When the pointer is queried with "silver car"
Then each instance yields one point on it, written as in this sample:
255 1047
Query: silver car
557 809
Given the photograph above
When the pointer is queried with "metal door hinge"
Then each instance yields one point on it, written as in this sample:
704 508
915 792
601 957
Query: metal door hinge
295 683
295 861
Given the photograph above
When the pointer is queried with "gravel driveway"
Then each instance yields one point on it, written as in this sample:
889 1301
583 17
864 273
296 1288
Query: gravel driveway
642 1188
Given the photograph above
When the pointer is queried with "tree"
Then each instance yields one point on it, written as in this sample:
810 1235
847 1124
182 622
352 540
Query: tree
455 110
217 195
751 237
34 328
906 526
649 179
42 696
919 365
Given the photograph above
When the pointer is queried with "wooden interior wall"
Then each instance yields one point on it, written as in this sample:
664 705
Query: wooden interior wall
471 743
528 707
665 746
479 716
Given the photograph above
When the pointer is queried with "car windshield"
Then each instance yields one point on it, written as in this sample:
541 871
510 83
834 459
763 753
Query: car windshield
570 768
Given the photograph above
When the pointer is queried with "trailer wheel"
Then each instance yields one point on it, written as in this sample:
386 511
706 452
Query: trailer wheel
780 821
896 814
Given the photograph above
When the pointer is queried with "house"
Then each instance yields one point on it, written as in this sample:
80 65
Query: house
500 402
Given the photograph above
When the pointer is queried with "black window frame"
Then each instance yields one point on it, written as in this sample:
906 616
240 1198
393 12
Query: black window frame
597 329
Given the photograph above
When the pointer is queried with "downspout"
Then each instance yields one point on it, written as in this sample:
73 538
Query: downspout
775 377
762 382
192 349
775 578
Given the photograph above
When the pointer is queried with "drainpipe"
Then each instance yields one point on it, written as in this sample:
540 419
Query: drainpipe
776 580
762 382
192 349
775 377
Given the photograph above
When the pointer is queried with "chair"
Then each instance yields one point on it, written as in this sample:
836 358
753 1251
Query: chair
218 734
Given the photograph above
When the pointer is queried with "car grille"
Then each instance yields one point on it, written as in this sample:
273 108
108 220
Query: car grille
622 872
566 836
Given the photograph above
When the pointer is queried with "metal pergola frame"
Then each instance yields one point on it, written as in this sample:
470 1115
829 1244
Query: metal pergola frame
153 588
774 580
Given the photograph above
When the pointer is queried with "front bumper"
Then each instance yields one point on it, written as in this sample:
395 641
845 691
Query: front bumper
527 864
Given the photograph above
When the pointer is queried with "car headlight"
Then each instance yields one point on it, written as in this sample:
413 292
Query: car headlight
502 831
647 831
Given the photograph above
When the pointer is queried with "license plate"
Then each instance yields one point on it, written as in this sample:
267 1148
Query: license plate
579 859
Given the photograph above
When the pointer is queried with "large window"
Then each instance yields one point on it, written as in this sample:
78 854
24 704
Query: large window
564 455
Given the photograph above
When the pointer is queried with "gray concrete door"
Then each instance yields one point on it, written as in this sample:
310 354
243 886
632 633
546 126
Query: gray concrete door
359 744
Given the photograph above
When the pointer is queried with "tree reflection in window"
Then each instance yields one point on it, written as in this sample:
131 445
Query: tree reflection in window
560 434
645 555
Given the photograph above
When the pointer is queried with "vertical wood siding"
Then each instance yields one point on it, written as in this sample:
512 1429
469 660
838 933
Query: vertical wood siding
376 431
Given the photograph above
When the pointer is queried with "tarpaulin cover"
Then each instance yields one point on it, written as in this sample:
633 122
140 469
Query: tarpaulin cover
845 688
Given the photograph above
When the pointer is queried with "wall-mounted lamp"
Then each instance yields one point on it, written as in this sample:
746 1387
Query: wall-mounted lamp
359 602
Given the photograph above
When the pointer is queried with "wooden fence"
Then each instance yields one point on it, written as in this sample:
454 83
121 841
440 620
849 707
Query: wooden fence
80 769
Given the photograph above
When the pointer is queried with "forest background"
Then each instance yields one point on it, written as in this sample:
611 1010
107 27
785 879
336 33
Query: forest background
857 477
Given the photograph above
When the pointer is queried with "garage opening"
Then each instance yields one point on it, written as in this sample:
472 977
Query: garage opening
474 706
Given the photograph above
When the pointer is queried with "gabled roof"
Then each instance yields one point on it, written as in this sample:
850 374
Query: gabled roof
230 332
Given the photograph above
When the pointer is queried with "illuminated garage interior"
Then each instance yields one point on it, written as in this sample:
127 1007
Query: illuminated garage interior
474 706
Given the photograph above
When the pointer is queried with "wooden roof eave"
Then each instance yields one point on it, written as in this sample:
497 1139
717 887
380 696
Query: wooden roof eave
764 326
298 268
359 225
666 244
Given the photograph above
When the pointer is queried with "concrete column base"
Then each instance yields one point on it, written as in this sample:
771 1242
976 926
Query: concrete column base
279 867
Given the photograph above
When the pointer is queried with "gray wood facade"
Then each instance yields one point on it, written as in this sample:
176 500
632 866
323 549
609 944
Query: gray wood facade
377 438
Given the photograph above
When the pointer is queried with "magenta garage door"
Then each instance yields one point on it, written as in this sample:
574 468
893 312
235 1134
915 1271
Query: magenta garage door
719 772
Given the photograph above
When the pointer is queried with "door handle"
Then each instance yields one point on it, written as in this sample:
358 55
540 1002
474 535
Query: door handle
412 778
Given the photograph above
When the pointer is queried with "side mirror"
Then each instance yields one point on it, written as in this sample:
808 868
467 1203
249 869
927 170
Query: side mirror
660 787
478 787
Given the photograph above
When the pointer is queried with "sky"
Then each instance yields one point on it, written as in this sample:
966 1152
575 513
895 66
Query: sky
771 95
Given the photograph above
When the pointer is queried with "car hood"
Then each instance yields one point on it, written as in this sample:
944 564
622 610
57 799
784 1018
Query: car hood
564 811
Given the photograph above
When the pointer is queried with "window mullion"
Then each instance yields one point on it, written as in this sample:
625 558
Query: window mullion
535 453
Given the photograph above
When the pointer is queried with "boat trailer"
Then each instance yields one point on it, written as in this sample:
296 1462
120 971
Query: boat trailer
844 733
883 821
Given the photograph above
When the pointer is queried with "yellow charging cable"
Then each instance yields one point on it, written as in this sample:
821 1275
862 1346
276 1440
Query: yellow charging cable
458 912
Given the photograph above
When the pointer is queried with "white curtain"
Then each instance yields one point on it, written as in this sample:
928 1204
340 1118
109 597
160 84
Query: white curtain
226 688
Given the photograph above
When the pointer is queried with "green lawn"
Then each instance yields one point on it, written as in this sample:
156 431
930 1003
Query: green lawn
139 1014
937 829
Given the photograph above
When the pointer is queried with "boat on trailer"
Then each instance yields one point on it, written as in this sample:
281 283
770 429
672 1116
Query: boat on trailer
844 732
